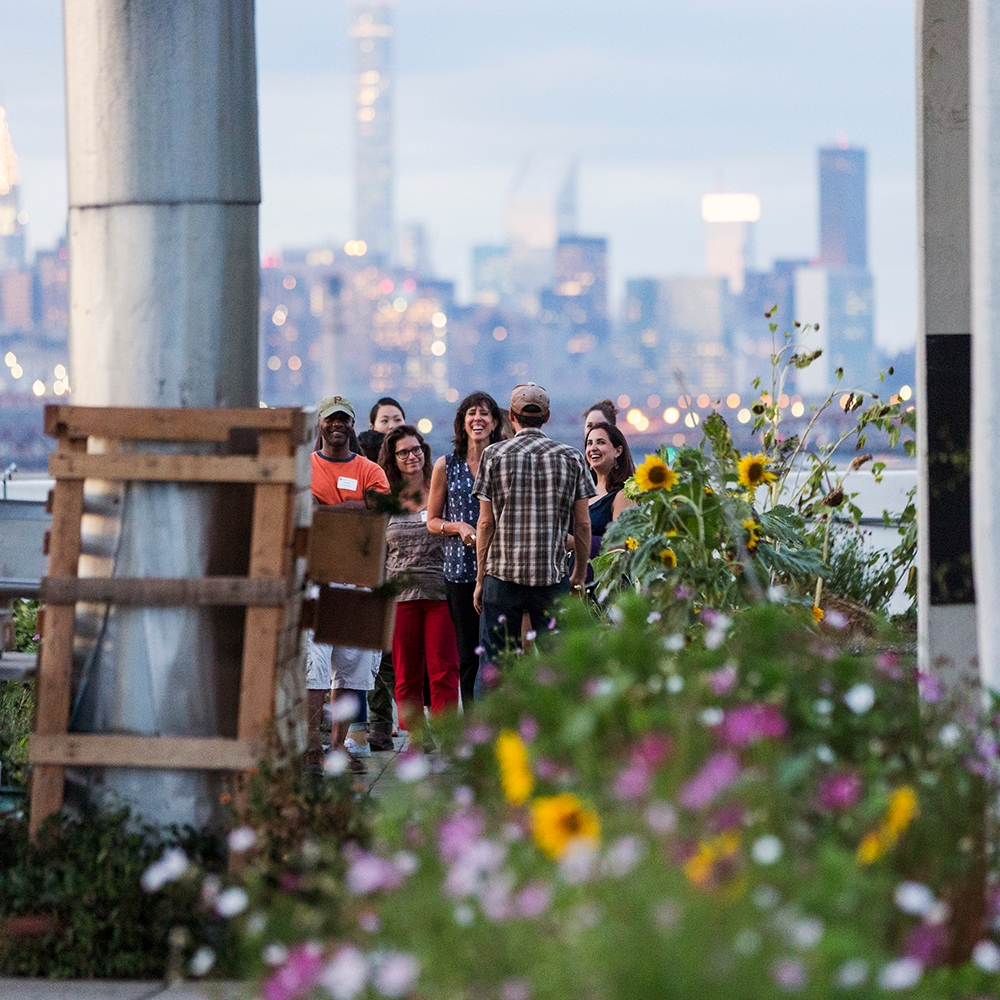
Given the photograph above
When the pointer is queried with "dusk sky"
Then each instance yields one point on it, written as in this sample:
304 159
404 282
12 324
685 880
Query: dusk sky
662 101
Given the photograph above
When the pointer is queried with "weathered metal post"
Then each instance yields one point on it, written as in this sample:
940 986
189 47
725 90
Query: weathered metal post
163 199
984 76
946 596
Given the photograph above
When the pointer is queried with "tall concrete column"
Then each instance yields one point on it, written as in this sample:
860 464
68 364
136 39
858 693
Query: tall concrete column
946 595
164 190
984 34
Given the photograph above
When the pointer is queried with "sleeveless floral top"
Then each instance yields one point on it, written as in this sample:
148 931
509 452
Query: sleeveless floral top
459 559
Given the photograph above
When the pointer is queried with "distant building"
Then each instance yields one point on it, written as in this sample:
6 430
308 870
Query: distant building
12 219
371 31
843 208
729 224
413 251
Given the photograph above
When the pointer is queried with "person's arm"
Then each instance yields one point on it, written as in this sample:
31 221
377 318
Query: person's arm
485 531
437 499
620 503
581 543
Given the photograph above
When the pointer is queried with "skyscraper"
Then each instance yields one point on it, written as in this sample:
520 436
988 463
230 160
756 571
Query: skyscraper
12 219
843 208
730 220
371 31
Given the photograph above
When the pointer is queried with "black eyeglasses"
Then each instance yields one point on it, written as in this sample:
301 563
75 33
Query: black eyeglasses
404 452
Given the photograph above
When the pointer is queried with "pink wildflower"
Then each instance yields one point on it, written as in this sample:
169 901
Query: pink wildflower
929 687
746 724
719 772
534 899
927 943
396 974
367 872
789 974
478 733
838 791
633 783
653 749
723 680
297 976
457 833
528 728
489 675
889 664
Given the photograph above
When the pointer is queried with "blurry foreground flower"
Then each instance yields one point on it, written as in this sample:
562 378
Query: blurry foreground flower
561 821
631 543
703 867
655 474
515 773
669 558
817 613
718 773
903 807
752 471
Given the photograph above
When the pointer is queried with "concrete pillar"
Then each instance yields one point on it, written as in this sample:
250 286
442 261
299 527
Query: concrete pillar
164 190
984 76
946 596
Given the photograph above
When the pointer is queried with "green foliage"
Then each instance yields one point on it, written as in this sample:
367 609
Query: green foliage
17 709
745 885
26 625
85 877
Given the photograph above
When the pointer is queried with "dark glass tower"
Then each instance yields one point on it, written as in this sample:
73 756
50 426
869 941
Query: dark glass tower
843 208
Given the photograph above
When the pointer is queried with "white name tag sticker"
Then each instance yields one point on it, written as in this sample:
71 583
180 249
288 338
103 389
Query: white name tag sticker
346 483
423 516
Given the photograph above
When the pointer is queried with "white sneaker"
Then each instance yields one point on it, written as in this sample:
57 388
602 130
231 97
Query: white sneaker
357 749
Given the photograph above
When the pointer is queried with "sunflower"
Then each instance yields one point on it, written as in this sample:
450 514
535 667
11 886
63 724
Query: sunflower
631 543
515 773
818 613
752 537
669 558
752 471
561 821
655 474
701 867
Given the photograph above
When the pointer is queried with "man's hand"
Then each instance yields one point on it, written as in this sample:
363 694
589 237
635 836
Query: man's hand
581 544
477 597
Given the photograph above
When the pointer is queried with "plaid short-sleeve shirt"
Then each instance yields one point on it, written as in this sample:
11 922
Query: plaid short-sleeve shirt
532 483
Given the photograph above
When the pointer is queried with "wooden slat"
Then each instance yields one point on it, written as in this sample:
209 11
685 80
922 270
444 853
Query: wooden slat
55 662
360 618
270 556
174 468
151 424
166 592
99 750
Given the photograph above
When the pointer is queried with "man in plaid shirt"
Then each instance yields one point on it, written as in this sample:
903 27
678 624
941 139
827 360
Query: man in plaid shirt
531 491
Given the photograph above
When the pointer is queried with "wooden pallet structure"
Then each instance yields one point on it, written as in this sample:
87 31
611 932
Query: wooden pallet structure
90 444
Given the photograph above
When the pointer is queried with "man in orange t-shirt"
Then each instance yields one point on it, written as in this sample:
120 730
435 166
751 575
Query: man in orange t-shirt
339 476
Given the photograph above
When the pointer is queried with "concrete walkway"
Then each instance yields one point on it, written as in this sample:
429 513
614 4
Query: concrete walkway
47 989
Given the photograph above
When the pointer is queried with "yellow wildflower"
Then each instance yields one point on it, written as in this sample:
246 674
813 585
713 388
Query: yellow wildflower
752 537
669 558
902 810
699 868
631 543
655 474
818 613
515 772
560 821
752 471
872 847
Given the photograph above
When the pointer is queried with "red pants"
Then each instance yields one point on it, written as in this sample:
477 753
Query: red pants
424 640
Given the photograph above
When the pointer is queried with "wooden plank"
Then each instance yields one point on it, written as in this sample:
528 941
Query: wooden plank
55 662
270 556
106 750
173 468
347 547
153 424
360 618
166 592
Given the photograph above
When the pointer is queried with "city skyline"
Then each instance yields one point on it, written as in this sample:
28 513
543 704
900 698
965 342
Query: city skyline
476 91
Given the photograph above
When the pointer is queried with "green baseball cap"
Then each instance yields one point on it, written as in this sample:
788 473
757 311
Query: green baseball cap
335 404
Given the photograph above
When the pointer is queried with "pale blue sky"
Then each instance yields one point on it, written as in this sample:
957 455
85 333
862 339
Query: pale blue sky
662 100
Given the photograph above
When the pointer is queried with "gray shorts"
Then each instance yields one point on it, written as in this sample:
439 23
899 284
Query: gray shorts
340 666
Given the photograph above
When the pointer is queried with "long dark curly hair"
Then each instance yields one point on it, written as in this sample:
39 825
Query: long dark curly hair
461 439
387 456
624 466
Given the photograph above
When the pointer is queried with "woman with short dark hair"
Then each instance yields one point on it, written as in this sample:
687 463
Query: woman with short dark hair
453 512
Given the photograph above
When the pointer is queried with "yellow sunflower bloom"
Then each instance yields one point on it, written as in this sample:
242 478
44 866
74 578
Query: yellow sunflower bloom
752 537
872 847
699 868
669 558
631 543
560 821
752 471
655 474
515 773
818 613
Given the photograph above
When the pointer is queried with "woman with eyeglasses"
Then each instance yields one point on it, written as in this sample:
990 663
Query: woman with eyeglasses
424 637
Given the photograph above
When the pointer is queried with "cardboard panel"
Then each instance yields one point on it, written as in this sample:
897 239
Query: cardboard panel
360 618
347 546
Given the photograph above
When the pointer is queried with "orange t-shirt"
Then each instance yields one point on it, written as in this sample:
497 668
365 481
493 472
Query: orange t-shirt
334 481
